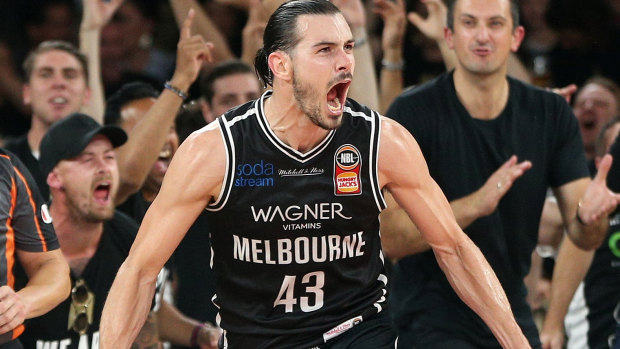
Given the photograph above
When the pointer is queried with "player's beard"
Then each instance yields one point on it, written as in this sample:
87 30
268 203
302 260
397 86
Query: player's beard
304 96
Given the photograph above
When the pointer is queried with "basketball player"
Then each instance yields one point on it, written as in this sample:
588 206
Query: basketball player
293 185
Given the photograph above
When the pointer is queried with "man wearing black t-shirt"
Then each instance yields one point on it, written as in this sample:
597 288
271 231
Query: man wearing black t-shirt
78 161
78 157
474 125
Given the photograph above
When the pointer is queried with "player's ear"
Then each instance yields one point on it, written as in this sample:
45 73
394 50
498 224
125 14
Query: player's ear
281 65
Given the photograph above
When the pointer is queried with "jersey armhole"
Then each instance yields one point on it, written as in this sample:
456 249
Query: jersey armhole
375 138
229 146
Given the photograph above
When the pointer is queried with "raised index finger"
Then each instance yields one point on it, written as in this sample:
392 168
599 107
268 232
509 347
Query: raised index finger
186 31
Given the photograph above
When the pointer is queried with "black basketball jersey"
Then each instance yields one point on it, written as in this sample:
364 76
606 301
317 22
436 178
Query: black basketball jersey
295 236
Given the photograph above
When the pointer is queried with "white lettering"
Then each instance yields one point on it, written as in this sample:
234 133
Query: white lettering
348 246
325 211
334 247
83 342
241 251
322 246
61 344
95 344
293 216
322 211
284 253
268 259
360 243
300 250
256 251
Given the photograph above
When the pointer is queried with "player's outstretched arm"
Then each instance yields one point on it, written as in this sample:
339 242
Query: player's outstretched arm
403 171
193 178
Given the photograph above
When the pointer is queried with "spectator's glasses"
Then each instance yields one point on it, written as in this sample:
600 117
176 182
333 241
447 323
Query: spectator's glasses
82 304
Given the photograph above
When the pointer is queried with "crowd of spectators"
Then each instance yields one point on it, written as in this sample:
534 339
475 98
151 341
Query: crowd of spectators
133 49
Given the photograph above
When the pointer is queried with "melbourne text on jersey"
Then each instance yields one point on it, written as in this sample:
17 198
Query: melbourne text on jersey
300 250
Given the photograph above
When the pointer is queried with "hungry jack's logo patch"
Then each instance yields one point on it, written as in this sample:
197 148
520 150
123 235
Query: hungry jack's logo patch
347 166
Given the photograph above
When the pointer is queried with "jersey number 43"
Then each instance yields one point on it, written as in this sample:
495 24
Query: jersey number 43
313 298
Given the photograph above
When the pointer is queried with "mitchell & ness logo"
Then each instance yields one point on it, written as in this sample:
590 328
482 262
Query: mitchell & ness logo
313 171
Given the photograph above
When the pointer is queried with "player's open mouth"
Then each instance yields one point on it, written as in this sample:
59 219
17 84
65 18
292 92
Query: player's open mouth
336 97
102 192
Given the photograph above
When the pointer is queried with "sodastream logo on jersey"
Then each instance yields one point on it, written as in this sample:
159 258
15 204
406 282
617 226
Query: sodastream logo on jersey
259 174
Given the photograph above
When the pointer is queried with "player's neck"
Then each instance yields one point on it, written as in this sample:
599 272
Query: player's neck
291 125
484 97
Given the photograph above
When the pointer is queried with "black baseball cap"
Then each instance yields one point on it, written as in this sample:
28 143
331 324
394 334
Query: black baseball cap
68 137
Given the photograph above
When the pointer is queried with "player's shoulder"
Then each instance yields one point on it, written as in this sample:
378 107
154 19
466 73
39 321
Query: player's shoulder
204 139
243 110
203 152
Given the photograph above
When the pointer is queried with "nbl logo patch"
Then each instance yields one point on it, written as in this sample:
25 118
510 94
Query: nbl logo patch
347 166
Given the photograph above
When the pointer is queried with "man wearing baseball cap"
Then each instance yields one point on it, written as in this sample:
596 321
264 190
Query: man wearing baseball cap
79 163
67 138
78 159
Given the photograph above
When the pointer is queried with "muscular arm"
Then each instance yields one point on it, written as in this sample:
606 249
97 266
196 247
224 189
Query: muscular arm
464 265
182 197
48 283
